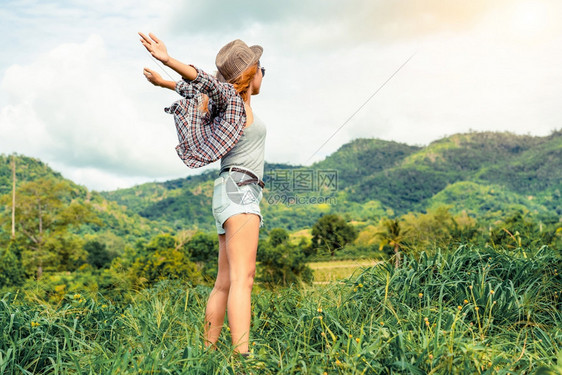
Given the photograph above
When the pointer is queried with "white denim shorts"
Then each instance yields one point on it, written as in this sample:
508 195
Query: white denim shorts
230 199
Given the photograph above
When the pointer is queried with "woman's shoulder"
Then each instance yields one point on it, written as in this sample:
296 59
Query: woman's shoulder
259 121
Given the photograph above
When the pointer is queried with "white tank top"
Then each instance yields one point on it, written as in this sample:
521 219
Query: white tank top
248 152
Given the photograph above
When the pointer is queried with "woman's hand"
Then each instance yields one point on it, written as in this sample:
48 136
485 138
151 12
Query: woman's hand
153 77
158 50
156 47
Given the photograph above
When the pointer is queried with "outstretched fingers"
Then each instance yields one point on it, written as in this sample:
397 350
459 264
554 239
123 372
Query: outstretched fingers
153 37
149 73
144 38
147 40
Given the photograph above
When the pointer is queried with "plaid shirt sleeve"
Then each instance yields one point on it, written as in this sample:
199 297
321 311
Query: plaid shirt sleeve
206 137
218 92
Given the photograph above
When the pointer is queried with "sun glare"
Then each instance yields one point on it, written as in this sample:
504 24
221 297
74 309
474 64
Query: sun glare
530 18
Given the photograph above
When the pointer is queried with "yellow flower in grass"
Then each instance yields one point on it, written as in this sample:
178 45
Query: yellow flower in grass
350 335
320 310
420 295
34 324
465 301
357 339
360 285
459 307
491 292
382 323
77 296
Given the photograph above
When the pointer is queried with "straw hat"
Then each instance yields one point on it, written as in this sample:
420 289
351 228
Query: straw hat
234 58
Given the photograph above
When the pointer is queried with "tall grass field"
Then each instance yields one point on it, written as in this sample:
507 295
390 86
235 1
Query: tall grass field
466 311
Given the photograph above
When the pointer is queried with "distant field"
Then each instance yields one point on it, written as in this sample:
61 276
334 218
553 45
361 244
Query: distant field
329 271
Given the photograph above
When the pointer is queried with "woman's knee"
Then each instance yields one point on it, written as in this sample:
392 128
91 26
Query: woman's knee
222 284
243 278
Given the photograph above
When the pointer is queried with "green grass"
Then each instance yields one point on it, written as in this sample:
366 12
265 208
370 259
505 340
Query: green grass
467 311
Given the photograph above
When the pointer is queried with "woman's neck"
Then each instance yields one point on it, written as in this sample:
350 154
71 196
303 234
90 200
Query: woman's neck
247 101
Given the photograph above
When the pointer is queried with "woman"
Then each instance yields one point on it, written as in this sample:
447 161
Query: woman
238 189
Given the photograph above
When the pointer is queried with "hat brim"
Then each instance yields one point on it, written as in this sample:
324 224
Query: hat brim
258 51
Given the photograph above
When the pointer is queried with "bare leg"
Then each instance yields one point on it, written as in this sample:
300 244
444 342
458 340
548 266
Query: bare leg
242 232
216 305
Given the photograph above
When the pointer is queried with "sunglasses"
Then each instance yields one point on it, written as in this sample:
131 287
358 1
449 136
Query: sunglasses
262 69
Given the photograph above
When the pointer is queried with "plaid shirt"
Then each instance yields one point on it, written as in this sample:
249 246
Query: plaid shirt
206 137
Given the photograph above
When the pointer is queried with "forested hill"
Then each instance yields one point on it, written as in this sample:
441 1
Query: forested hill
524 165
483 173
40 188
486 174
27 169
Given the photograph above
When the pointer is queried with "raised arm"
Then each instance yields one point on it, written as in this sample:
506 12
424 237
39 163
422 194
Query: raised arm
158 50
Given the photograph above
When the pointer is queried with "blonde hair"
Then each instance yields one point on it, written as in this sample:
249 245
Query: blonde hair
241 84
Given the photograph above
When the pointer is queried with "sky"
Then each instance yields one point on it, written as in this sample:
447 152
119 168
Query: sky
72 92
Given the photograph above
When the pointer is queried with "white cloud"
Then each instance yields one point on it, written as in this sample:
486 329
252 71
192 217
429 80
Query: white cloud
76 108
73 94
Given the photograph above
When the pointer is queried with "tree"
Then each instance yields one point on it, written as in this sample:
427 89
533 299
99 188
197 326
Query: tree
98 255
162 259
13 196
203 249
281 262
278 236
331 233
11 270
518 231
45 213
392 235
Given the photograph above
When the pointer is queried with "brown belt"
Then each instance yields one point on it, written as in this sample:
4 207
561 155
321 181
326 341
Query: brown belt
255 179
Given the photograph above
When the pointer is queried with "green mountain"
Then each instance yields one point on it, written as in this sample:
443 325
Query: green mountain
486 174
115 220
524 165
27 169
503 172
